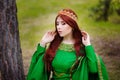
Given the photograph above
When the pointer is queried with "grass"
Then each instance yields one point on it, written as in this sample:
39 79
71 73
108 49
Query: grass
37 16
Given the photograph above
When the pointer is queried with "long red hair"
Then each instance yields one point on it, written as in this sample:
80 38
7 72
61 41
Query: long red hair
77 35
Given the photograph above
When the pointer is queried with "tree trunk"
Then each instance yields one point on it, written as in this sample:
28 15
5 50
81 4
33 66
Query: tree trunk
11 65
106 9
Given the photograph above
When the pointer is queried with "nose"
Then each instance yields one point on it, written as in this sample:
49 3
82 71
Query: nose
59 27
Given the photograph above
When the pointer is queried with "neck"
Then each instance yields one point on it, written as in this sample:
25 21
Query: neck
68 39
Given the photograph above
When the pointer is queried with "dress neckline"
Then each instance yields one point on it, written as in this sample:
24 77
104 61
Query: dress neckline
66 47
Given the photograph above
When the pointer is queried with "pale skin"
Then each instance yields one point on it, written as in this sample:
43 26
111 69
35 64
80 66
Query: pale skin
64 31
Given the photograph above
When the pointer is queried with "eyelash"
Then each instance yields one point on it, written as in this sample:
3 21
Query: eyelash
61 23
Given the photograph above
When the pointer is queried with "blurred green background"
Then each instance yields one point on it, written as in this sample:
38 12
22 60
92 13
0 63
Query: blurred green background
35 17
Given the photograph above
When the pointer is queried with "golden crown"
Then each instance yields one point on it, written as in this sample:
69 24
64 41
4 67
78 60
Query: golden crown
69 14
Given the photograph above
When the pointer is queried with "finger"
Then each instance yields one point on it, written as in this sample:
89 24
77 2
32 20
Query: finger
84 36
53 33
83 32
83 39
50 32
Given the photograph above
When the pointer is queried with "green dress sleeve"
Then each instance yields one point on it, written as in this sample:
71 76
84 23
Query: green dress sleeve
95 64
37 69
91 59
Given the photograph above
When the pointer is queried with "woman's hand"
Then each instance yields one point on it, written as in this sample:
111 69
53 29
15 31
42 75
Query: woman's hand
85 38
47 38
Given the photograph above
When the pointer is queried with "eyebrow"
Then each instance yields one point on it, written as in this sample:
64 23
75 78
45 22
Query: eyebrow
61 21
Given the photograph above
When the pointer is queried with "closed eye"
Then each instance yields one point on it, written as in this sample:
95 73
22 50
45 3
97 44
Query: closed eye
63 23
57 23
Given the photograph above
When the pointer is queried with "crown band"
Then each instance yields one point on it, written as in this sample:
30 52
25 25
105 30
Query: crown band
69 14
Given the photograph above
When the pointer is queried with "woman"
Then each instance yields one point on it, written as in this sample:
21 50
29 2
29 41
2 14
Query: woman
70 55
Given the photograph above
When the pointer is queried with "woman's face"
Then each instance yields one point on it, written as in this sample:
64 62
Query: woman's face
63 28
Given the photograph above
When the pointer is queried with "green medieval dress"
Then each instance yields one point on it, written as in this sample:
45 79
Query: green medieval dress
88 67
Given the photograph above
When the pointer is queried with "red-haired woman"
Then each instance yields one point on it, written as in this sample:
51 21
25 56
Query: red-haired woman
70 55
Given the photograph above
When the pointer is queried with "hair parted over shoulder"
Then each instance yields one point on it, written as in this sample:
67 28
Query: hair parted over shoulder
69 17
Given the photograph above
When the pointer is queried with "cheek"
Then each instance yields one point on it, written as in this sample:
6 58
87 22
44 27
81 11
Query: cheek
67 29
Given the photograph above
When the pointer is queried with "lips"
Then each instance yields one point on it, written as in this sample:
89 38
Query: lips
59 32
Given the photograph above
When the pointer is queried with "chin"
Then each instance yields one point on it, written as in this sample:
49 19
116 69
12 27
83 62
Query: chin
61 35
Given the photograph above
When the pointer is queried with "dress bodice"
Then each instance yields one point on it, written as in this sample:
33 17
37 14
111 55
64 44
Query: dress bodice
64 59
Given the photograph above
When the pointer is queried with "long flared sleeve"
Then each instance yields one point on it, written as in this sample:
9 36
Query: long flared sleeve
91 59
37 69
95 64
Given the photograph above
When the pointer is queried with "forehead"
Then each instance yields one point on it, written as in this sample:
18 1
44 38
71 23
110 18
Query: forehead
59 19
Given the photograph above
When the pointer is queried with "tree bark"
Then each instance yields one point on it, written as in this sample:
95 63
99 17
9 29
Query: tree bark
106 9
11 64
